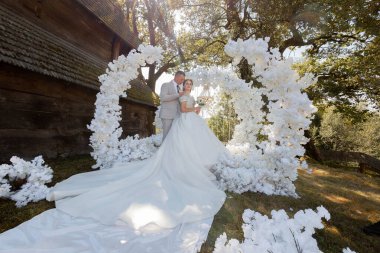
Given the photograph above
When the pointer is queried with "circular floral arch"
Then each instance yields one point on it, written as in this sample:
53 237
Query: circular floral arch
268 166
105 139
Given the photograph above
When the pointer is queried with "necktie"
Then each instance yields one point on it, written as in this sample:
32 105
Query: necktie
178 88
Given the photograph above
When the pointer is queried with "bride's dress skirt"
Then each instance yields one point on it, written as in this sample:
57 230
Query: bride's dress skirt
162 204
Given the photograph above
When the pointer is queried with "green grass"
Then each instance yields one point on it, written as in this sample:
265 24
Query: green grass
352 198
11 216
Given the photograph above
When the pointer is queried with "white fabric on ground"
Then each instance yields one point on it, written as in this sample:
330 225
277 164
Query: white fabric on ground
163 204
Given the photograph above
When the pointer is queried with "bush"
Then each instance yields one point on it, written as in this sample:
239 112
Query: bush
337 132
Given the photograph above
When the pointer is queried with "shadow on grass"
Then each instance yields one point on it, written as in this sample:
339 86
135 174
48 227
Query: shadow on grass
352 198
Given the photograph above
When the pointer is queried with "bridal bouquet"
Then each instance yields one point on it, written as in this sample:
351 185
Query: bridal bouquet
201 101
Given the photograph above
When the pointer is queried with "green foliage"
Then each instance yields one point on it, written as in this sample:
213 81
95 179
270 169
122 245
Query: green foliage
162 23
337 132
346 80
224 122
341 40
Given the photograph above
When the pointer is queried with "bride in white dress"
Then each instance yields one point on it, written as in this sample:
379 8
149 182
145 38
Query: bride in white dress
171 190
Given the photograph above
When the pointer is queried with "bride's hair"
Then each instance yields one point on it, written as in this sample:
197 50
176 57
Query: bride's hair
191 80
184 82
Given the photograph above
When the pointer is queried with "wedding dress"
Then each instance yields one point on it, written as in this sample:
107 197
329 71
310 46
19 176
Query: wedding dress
162 204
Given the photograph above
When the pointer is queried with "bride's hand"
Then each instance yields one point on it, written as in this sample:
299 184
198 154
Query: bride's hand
197 109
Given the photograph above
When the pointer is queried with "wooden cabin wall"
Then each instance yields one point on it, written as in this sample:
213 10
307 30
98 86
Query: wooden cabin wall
40 115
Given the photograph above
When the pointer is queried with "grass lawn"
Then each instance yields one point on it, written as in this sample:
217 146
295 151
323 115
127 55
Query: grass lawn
353 200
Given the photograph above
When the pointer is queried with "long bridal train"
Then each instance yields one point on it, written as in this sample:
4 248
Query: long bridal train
163 204
58 232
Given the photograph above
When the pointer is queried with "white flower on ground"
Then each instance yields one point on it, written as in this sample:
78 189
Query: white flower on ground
348 250
34 173
279 234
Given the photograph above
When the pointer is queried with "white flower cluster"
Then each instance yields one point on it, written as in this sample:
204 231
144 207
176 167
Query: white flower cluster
268 166
255 51
34 173
105 124
157 120
247 101
247 169
279 234
134 149
348 250
248 107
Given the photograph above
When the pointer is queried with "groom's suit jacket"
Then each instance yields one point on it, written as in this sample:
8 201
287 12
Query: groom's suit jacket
170 107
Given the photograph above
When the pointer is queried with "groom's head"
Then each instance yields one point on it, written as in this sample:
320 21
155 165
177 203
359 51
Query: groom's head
179 77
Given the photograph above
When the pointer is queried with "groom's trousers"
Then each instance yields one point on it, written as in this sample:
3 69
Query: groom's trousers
166 125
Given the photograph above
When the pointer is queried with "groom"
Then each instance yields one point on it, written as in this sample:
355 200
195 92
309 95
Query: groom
170 92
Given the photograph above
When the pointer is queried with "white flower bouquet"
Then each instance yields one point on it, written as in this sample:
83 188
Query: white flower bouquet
201 101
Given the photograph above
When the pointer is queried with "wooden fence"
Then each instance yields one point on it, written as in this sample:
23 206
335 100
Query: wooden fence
366 162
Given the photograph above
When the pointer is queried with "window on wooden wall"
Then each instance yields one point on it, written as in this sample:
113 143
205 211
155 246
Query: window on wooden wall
119 47
116 45
125 49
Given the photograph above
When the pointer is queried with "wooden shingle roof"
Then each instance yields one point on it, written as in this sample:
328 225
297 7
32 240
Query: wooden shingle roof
26 45
111 14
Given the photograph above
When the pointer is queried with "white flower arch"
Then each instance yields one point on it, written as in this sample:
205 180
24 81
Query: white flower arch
105 139
269 166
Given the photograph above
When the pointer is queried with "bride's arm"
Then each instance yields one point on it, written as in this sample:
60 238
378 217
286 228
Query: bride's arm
184 108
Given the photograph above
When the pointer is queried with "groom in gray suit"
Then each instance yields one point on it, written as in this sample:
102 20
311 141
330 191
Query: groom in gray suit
170 92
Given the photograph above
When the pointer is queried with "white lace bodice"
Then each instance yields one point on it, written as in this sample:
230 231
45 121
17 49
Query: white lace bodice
190 101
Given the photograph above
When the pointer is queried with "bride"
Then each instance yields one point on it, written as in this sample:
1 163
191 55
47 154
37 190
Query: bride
172 188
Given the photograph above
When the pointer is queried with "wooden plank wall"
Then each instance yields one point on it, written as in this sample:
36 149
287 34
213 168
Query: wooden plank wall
47 116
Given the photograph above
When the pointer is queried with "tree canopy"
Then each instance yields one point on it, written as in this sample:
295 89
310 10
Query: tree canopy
341 39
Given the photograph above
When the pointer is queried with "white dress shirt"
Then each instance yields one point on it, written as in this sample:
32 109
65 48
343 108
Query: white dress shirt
177 85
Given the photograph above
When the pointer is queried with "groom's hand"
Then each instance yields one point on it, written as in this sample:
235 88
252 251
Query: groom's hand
181 93
197 109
